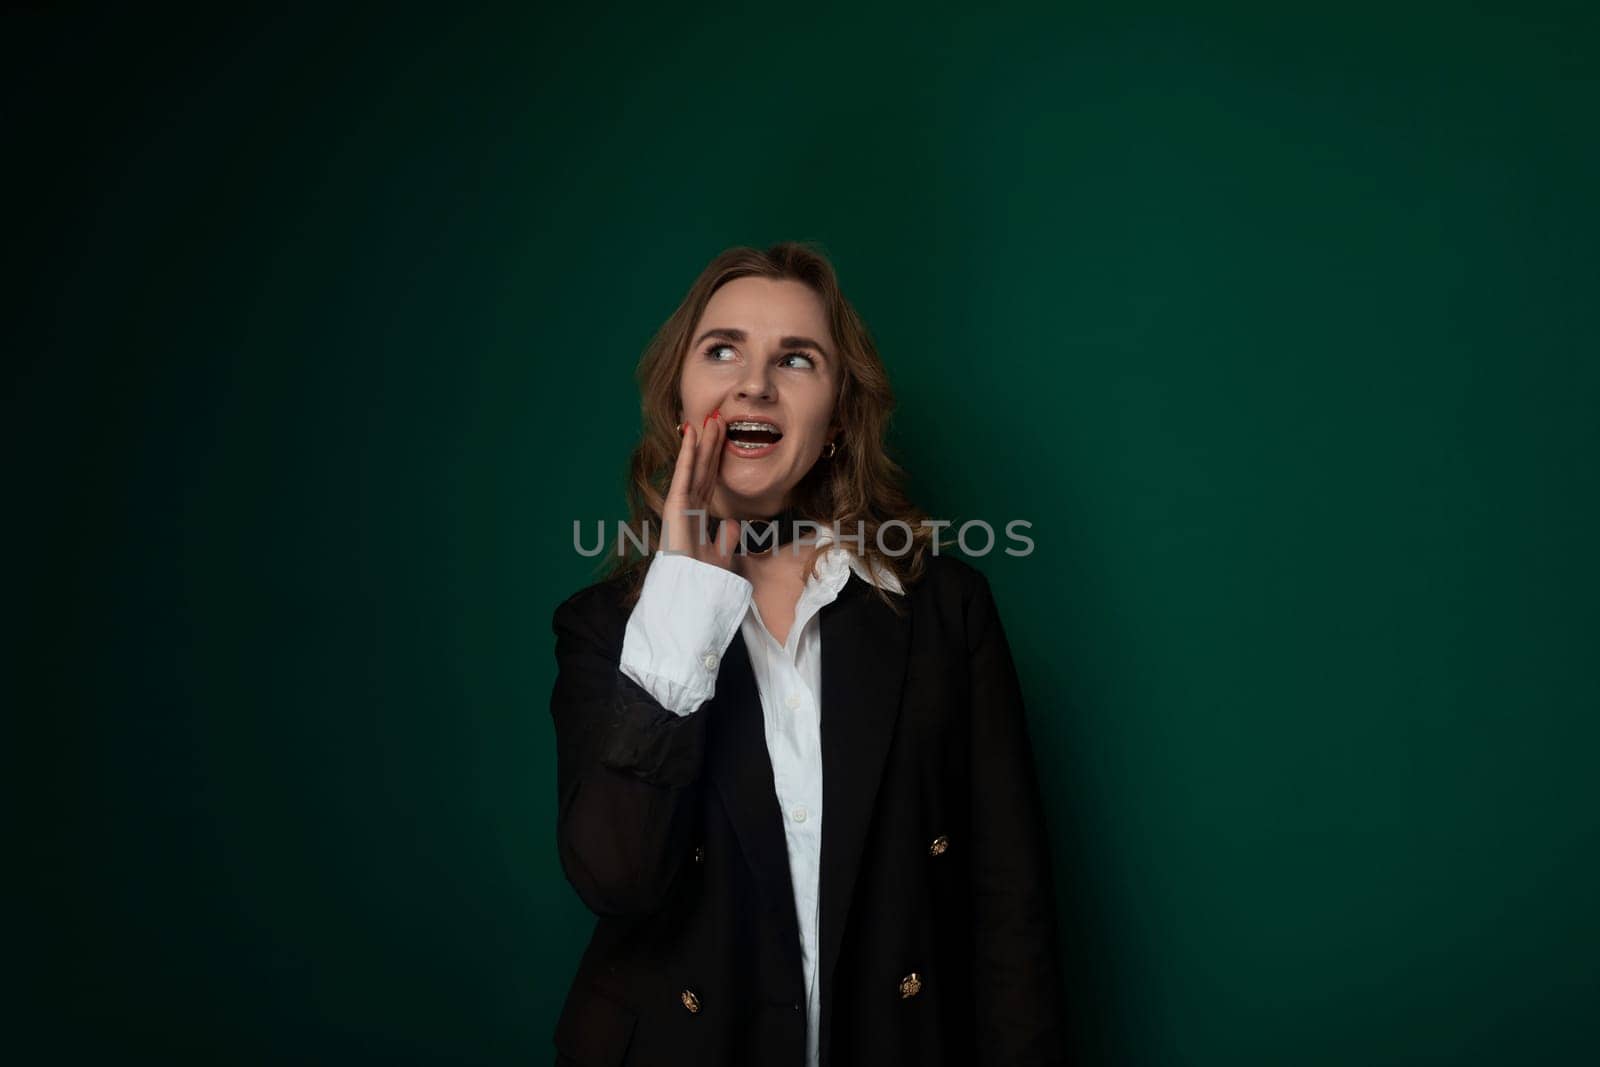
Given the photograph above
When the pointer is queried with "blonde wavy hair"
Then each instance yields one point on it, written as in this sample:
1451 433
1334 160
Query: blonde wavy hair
858 483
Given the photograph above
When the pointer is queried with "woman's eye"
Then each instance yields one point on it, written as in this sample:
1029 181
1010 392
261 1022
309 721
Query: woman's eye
714 349
801 355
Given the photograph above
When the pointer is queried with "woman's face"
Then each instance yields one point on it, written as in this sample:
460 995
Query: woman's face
762 351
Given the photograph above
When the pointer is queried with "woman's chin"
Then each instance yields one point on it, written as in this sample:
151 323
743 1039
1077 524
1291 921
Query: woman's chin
745 489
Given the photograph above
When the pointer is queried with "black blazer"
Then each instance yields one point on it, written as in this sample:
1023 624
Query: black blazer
937 941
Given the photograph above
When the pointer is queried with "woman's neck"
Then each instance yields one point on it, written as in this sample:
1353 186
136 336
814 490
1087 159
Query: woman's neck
768 531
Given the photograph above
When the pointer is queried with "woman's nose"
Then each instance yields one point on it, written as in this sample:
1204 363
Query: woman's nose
757 382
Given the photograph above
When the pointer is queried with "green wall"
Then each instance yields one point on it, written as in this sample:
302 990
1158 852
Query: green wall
1278 325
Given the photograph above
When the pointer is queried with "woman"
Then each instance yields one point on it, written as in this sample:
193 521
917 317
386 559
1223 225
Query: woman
820 843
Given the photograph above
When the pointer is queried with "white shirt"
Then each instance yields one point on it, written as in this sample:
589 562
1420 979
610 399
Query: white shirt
685 618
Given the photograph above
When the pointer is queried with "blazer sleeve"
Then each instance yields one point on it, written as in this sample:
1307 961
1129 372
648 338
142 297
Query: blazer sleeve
1017 980
628 767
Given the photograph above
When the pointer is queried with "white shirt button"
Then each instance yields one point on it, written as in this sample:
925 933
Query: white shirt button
799 813
709 661
792 700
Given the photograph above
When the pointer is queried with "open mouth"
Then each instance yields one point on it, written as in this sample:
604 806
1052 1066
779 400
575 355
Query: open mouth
753 435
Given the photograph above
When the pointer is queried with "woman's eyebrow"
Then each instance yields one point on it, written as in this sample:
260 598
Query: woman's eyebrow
792 341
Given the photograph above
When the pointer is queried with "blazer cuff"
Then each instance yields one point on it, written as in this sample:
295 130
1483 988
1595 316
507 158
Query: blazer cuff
646 741
687 614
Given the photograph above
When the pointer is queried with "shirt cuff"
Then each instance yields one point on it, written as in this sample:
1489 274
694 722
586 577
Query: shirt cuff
687 614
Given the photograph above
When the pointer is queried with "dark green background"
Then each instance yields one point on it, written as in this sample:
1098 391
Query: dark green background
1280 326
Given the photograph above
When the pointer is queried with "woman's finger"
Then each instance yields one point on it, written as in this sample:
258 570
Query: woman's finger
673 523
714 469
682 471
710 441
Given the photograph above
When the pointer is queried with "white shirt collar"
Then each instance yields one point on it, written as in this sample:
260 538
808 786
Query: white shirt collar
833 563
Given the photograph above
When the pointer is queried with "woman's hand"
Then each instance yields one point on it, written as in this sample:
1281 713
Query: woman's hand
694 480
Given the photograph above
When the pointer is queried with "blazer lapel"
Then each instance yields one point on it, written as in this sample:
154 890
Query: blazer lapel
739 764
864 651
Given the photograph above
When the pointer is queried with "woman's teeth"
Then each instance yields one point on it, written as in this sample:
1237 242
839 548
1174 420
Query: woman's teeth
751 436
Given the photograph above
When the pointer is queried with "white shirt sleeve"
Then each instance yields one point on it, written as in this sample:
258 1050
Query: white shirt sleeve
687 614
